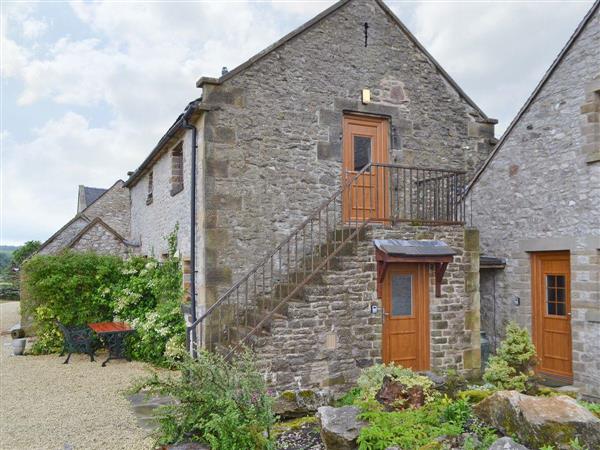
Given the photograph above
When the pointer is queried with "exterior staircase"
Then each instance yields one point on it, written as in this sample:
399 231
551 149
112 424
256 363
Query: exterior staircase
322 252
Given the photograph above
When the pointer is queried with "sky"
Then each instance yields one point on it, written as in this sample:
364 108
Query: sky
88 88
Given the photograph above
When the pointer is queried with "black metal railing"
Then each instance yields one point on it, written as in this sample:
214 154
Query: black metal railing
383 193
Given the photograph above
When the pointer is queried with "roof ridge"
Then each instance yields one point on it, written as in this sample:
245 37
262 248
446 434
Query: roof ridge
314 21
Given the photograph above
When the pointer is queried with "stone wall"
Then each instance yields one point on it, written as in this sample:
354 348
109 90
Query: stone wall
97 238
152 221
273 136
113 208
541 192
330 333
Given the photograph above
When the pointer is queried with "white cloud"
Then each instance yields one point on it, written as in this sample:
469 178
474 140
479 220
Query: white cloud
139 62
497 51
34 28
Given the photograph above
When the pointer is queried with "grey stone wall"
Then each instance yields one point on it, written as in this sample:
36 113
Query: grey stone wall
273 136
151 222
65 236
336 309
100 240
540 193
113 207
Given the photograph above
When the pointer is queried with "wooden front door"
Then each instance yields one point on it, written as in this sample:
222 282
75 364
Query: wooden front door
406 315
366 140
551 313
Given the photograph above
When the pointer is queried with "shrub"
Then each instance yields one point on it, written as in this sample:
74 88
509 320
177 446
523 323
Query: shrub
474 395
66 287
222 404
594 408
512 366
371 379
80 288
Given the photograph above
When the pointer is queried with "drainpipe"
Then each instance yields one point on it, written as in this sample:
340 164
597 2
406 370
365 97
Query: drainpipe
189 126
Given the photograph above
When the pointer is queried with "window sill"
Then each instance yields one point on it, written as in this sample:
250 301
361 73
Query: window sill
176 189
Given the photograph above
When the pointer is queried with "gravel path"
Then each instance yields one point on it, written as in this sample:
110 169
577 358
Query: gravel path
45 404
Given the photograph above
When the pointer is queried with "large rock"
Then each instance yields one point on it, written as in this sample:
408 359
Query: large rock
340 427
507 443
538 421
293 404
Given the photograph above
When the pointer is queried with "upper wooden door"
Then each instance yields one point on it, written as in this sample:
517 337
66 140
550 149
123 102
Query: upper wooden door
551 292
366 140
406 316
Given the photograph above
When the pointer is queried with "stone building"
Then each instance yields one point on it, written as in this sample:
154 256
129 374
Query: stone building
272 140
319 193
536 203
101 223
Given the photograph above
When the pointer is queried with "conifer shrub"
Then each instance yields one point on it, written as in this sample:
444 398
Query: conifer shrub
512 366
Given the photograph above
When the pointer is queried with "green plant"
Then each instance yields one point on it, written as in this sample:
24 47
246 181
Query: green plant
512 366
79 288
594 408
458 412
349 398
24 252
222 404
66 287
454 382
474 395
371 380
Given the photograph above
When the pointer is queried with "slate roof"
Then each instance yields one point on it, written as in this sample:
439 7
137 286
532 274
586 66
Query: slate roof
92 194
405 247
491 262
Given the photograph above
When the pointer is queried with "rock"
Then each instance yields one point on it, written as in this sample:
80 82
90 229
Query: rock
537 421
293 404
507 443
395 395
340 427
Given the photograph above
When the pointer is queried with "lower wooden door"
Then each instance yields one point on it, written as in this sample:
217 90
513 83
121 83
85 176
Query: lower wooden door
406 315
551 313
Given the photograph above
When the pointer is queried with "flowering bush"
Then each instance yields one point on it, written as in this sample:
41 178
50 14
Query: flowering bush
79 288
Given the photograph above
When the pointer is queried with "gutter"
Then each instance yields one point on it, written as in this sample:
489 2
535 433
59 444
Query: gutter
185 124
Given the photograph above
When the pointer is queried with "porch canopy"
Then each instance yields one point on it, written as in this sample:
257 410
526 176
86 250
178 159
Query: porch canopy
390 251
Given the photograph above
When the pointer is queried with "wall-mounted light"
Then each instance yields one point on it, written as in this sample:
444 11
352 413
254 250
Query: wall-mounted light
366 96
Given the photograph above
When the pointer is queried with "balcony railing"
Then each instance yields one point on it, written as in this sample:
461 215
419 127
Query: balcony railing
379 193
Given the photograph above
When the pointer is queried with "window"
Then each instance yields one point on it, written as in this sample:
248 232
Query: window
362 152
401 295
556 291
150 187
177 169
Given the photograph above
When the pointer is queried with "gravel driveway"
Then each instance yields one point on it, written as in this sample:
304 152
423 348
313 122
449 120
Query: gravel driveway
45 404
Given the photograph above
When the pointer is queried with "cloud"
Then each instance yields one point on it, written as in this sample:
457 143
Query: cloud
497 51
40 177
119 83
34 28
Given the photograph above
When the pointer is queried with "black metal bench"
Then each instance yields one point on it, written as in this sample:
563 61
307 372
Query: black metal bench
78 339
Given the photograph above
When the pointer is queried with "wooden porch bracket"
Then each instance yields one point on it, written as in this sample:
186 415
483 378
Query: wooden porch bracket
384 260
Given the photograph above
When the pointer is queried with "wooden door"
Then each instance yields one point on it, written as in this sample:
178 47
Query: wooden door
551 313
366 140
406 315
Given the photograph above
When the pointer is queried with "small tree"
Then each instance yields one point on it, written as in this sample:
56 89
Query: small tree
514 362
24 252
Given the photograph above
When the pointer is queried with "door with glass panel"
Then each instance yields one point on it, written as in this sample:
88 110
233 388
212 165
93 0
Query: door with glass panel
406 316
366 140
551 292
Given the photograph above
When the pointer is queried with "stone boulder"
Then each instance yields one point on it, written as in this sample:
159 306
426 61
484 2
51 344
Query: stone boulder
395 395
507 443
340 427
294 404
537 421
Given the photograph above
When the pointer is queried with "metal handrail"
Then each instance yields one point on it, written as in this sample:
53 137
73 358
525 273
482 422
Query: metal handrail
436 198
